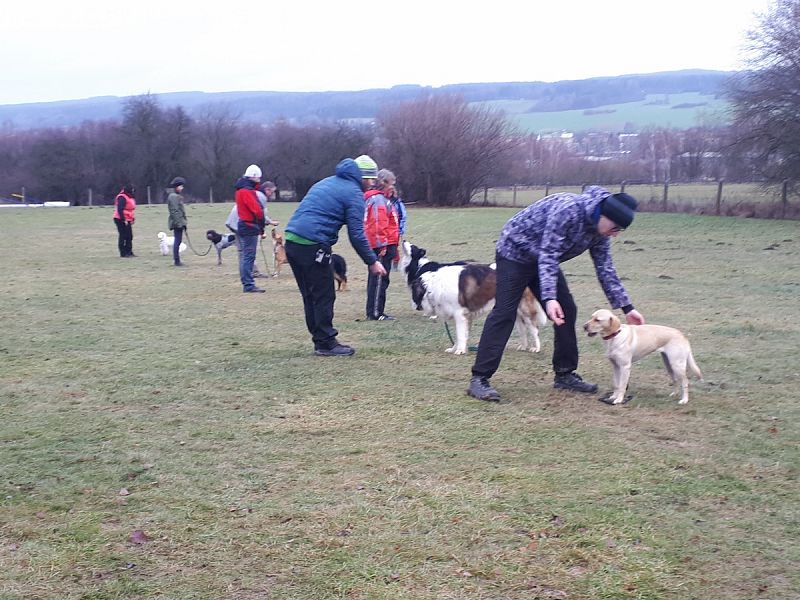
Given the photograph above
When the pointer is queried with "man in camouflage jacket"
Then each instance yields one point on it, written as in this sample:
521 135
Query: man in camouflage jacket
531 247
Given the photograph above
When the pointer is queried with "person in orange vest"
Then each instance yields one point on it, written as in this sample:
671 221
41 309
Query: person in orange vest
124 218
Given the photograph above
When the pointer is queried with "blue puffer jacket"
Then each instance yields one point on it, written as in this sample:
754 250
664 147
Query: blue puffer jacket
331 203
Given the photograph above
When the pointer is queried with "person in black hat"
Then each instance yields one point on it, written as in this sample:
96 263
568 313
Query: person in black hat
177 221
531 247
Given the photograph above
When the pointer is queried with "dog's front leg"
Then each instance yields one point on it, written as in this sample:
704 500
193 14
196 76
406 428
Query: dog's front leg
462 333
622 373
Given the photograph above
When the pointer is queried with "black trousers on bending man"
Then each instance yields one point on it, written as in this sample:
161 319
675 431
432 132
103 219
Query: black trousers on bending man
512 279
311 265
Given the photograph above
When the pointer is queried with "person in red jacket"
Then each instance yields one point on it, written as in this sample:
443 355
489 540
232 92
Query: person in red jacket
382 228
251 224
124 217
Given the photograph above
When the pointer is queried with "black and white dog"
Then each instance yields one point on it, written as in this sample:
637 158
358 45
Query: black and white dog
220 242
339 266
462 291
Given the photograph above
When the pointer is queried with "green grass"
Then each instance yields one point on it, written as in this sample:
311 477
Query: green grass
259 471
679 111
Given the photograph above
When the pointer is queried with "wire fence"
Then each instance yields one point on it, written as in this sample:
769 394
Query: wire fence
712 198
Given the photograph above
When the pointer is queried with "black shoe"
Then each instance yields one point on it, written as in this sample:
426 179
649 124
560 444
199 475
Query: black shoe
179 264
337 350
254 290
572 381
131 255
479 388
381 318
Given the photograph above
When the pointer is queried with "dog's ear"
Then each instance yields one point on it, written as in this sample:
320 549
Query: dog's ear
613 323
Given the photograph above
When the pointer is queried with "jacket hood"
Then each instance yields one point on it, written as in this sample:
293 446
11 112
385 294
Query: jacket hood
245 183
591 198
348 169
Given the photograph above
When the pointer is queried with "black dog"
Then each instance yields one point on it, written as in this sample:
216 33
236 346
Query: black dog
339 267
220 242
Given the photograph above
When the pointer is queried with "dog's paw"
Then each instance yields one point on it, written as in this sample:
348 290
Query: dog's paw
683 401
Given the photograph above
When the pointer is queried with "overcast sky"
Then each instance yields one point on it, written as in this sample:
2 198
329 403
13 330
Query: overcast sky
69 50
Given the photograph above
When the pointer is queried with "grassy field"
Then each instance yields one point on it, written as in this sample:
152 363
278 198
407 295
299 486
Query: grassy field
681 111
163 435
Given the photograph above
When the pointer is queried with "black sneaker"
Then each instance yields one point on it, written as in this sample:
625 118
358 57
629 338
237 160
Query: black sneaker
572 381
386 317
254 290
479 388
179 264
337 350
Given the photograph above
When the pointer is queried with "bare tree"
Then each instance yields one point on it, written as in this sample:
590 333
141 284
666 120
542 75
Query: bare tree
218 148
766 98
443 150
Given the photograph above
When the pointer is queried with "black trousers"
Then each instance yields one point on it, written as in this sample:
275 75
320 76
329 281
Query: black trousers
315 279
125 238
376 286
512 279
176 247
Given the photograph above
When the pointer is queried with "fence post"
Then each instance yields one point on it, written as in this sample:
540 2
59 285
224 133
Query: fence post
622 186
666 195
148 194
211 195
719 196
90 196
583 187
547 188
486 195
784 197
24 200
514 196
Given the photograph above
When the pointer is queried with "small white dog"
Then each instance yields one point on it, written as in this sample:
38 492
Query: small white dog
165 243
626 344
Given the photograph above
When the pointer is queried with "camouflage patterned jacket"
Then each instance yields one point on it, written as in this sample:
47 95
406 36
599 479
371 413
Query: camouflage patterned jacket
557 228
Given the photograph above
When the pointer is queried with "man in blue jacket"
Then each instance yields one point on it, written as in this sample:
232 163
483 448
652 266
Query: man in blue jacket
310 236
531 247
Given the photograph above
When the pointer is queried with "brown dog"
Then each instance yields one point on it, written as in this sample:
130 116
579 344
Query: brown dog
278 252
626 344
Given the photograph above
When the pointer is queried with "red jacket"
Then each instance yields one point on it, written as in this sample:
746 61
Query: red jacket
381 222
128 212
248 207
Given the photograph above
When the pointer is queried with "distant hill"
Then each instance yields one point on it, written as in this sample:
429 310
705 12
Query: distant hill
600 102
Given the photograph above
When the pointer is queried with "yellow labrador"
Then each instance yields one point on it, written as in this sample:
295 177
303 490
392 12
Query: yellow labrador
626 344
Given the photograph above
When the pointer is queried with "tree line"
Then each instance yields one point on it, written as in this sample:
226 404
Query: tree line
442 148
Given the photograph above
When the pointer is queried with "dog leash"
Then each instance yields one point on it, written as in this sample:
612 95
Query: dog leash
452 341
264 254
189 243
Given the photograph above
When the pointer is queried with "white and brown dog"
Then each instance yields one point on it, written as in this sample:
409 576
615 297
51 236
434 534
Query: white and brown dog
462 291
626 344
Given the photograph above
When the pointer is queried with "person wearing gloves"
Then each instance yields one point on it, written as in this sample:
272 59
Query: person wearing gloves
531 246
382 227
124 218
310 235
251 225
177 217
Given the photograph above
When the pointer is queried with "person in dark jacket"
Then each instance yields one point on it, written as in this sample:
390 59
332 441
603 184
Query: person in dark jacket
310 235
531 246
124 218
177 221
251 224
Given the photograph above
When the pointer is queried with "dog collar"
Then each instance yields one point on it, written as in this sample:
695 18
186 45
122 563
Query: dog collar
608 337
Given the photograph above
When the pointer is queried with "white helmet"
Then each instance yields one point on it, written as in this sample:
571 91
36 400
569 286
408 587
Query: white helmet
253 171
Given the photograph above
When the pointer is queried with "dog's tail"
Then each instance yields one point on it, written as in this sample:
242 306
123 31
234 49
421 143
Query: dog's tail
693 366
